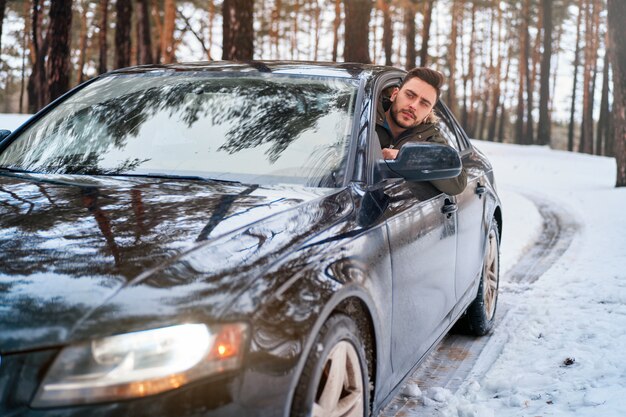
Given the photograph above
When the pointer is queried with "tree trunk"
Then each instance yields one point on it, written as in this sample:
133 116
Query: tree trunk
530 133
535 59
520 133
58 64
37 82
122 33
586 133
570 131
167 37
2 7
157 32
356 48
102 36
428 17
491 133
409 25
82 49
144 38
503 118
457 13
617 16
468 78
318 23
336 24
543 129
25 47
387 31
238 32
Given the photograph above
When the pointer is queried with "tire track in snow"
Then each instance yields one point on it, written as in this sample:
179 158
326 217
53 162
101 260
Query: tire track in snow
459 356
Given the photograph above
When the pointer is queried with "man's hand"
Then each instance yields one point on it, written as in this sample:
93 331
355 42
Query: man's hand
389 153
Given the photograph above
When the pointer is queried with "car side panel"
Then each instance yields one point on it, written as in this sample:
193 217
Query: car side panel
472 231
423 246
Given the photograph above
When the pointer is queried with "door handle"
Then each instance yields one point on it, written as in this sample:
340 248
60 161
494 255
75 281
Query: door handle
480 190
449 208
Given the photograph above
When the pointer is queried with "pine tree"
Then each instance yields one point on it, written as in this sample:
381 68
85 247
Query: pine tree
144 40
2 7
617 17
122 33
543 128
356 48
238 33
102 36
428 13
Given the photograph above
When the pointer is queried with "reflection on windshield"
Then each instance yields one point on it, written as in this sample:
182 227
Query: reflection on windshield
253 128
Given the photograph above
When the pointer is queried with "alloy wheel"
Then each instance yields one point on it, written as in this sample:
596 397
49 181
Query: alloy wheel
490 276
340 391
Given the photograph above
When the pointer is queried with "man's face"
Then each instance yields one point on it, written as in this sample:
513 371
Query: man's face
412 103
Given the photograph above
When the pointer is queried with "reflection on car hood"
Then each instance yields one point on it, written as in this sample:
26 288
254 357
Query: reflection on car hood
84 256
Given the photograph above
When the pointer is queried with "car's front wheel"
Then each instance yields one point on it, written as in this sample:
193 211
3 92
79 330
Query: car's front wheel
334 379
480 315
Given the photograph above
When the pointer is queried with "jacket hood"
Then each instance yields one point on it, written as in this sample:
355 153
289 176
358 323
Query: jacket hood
82 256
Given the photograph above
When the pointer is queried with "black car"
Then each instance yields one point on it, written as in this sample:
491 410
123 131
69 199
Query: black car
225 239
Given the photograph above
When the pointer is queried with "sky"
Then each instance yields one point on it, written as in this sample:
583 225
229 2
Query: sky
561 348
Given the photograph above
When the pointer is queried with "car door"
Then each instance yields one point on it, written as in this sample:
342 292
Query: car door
470 207
423 249
422 241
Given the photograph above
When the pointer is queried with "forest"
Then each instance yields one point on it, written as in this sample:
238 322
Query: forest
530 72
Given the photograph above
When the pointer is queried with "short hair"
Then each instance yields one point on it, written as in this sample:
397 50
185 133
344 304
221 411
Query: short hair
429 76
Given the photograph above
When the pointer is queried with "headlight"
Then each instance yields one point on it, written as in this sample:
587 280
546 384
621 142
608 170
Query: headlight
141 363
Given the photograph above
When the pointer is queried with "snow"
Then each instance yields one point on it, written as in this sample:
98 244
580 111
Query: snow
562 347
11 122
561 350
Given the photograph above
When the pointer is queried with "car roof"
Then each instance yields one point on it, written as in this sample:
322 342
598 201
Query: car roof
329 69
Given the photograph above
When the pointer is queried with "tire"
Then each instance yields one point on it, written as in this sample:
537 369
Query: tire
480 315
334 380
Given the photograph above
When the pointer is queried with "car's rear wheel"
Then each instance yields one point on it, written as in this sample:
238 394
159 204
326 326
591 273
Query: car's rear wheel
480 315
334 379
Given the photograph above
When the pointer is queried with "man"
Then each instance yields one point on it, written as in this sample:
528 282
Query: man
411 118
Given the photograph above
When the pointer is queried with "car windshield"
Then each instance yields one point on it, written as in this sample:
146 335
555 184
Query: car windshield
253 128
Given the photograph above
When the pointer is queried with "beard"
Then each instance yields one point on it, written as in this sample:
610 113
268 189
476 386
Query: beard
395 116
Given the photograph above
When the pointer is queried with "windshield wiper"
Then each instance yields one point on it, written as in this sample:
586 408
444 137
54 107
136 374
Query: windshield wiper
177 177
23 171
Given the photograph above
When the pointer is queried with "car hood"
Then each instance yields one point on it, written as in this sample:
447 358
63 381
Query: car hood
87 256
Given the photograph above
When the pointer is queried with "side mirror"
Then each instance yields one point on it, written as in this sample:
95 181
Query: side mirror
425 162
4 133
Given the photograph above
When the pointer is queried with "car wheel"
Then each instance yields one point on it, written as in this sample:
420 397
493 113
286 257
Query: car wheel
334 381
479 317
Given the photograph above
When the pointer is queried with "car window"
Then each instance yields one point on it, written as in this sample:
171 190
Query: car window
257 128
382 104
455 130
449 132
